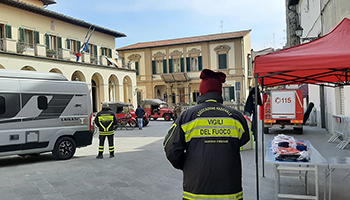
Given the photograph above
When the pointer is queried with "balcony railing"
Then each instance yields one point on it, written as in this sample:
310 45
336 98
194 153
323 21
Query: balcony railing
40 50
1 44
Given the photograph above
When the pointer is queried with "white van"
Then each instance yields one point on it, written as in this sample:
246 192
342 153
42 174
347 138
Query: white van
43 112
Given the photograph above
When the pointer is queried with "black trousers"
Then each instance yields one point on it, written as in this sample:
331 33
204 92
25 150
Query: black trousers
110 143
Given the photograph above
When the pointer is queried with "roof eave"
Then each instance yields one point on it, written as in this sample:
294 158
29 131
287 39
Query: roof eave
129 49
61 17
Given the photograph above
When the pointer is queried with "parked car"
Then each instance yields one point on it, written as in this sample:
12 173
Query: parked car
157 108
125 110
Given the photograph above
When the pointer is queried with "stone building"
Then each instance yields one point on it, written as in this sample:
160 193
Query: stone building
35 38
316 18
170 69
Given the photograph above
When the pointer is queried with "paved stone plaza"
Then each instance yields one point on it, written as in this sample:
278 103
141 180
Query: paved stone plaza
140 171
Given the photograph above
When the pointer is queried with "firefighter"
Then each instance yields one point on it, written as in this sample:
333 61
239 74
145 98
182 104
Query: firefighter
106 122
205 142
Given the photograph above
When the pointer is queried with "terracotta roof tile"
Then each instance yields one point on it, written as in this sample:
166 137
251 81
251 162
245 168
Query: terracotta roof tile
205 38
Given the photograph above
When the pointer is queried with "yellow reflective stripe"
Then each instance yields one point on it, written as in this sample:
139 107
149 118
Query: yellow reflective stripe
105 118
190 196
106 133
213 127
172 127
211 100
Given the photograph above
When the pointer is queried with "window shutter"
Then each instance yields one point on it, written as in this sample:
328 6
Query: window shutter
36 37
8 30
47 40
21 34
165 67
95 50
78 46
170 66
154 69
200 67
110 53
68 43
222 61
137 68
59 42
232 93
182 65
188 64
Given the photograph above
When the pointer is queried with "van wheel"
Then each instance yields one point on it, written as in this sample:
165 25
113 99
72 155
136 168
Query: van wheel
167 117
266 130
64 148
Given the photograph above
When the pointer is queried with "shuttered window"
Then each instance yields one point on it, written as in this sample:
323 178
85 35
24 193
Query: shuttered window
228 93
170 66
188 64
200 67
8 31
222 61
165 67
137 68
182 65
154 69
36 37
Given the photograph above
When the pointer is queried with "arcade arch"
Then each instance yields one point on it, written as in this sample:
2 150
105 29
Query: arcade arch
113 88
55 70
29 68
97 93
127 88
78 76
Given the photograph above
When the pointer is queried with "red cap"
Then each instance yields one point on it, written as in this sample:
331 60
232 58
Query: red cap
211 81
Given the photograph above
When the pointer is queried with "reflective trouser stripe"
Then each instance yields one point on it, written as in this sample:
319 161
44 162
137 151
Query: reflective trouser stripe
106 133
111 149
191 196
100 148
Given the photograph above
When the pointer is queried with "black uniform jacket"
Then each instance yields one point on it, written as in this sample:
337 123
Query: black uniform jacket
205 144
106 121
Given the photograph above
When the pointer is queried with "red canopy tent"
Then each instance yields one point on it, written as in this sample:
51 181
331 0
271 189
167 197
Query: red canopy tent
324 60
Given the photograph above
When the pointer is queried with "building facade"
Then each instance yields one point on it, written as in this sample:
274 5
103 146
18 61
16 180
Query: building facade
317 18
170 69
35 38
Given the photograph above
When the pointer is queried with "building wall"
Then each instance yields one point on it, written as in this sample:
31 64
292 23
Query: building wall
148 83
101 73
318 17
19 18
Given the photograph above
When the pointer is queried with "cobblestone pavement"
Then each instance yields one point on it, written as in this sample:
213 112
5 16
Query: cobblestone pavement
140 171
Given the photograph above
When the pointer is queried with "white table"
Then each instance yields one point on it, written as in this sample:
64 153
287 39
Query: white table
336 163
297 166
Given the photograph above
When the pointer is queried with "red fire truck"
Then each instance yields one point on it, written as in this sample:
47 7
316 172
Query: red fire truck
284 109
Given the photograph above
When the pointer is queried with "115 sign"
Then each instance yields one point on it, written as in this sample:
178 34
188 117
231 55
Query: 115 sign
283 100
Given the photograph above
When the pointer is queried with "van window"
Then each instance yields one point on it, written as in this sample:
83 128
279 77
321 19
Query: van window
2 105
42 102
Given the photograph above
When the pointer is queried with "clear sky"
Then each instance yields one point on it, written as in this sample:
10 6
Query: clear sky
152 20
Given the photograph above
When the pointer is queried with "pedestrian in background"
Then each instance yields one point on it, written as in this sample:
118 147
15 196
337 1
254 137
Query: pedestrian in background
205 142
177 111
106 121
139 114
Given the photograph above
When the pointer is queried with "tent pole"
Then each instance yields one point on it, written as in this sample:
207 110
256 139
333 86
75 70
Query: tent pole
262 128
255 118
